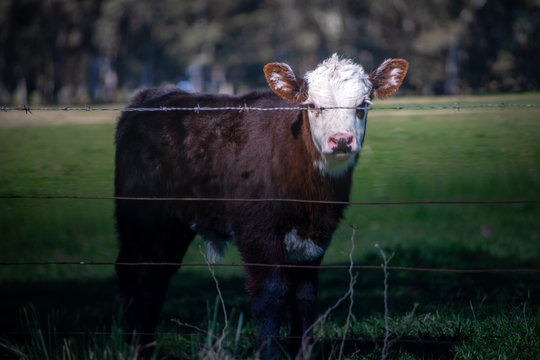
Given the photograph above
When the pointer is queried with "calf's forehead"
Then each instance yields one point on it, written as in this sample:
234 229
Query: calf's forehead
338 82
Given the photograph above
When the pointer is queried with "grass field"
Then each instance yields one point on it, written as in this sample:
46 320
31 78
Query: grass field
54 311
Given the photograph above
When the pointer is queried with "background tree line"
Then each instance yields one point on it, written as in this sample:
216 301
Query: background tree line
83 51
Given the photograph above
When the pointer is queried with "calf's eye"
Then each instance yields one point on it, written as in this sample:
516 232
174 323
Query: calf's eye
362 108
312 107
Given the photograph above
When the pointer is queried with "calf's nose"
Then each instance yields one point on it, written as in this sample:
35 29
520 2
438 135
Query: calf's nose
342 143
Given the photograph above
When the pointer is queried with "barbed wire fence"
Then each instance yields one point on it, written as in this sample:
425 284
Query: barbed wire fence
455 107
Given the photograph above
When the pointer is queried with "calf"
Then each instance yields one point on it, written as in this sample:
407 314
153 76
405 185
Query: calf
306 152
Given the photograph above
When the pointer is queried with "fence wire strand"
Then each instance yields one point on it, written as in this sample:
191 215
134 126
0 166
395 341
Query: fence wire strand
198 108
285 200
287 266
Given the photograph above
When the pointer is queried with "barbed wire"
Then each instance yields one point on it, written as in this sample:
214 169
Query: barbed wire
286 266
286 200
198 108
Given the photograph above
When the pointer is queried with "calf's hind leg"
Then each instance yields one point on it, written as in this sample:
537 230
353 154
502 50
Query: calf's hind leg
143 287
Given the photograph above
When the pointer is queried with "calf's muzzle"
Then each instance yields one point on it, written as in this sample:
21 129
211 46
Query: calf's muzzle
342 144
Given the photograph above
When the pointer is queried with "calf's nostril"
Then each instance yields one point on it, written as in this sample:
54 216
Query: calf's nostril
341 143
340 140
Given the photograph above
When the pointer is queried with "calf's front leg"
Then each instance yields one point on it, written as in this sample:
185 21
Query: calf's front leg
269 300
302 304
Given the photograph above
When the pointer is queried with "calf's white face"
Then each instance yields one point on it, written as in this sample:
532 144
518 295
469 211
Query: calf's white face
337 87
335 94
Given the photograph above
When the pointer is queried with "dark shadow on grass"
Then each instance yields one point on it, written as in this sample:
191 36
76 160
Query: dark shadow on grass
82 307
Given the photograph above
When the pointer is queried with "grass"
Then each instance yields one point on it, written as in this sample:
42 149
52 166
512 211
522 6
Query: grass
473 154
55 160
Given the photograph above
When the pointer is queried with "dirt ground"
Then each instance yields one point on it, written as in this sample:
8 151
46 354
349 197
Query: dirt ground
16 118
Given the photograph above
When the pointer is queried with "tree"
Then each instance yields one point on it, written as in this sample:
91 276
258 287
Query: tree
85 50
44 45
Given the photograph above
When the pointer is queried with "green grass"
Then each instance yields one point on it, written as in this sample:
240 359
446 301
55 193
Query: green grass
56 160
473 154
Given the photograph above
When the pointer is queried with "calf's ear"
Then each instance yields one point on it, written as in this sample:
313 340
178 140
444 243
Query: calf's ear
387 78
283 82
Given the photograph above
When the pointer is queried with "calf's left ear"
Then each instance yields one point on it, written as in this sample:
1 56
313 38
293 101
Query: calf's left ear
387 78
283 82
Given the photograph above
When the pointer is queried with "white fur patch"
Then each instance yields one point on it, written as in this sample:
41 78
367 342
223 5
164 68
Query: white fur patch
335 167
215 244
301 250
215 248
275 78
394 77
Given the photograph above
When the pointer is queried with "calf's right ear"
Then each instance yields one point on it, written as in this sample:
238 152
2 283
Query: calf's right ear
283 81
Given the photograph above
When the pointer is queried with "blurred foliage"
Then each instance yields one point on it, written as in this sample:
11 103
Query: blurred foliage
67 51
